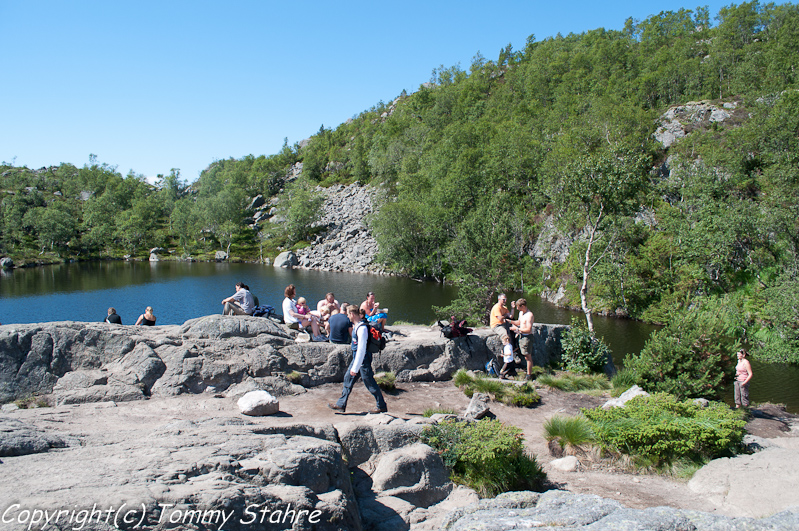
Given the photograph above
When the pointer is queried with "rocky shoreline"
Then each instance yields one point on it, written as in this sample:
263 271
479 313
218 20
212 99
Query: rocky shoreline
145 427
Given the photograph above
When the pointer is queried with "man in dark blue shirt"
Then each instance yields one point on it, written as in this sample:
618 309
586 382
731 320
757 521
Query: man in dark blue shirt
340 326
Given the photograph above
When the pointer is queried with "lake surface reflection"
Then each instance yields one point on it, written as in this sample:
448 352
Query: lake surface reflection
179 291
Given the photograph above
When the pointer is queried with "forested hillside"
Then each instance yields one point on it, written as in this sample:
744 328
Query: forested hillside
478 162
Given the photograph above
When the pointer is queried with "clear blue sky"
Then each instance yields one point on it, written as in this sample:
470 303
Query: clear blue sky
153 85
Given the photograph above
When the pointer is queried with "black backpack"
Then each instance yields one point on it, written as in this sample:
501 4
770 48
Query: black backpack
454 329
375 342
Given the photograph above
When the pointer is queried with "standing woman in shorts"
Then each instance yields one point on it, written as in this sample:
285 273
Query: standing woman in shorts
743 375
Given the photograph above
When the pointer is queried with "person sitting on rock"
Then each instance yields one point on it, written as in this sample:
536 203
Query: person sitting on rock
340 326
147 318
372 311
296 320
240 303
302 306
113 317
327 301
500 318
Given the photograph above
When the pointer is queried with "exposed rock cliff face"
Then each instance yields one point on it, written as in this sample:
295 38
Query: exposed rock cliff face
347 244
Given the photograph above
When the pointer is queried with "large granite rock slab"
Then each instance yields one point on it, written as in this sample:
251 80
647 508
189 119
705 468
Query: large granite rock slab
93 362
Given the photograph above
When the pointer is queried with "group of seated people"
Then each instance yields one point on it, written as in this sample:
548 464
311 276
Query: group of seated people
329 322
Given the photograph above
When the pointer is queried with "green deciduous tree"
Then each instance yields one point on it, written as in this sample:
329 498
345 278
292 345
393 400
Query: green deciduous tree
300 207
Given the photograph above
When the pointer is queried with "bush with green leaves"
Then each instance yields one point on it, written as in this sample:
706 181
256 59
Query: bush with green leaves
689 358
660 429
486 456
582 351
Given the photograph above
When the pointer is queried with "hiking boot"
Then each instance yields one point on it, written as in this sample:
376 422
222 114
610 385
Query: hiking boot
335 407
377 410
528 377
320 338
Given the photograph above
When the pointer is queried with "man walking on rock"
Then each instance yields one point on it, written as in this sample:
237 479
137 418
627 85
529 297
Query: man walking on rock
361 365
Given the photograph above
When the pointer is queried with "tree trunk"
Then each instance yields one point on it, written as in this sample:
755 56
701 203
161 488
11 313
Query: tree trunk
586 270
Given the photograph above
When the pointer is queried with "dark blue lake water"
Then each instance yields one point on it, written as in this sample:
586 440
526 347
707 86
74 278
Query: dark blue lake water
179 291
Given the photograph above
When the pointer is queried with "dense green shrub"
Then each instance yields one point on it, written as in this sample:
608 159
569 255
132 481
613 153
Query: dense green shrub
689 358
659 429
583 352
485 455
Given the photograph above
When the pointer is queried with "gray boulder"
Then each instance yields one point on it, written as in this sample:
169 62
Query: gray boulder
625 397
20 438
478 407
556 509
220 256
286 259
230 468
83 386
414 473
6 263
258 404
212 353
363 441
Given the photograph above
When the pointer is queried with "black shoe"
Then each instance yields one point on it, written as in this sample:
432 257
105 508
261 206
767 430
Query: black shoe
335 407
378 410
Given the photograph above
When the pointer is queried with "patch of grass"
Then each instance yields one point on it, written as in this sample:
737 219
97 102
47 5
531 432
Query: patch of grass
572 382
386 380
435 411
569 432
294 377
510 394
623 380
32 402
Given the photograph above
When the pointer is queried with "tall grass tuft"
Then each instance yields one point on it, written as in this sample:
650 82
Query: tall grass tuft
386 381
569 432
575 382
623 380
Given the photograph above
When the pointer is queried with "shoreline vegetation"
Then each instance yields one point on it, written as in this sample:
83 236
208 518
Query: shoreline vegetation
649 172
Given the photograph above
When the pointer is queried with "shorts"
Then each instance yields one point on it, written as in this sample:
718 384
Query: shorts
501 330
525 345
